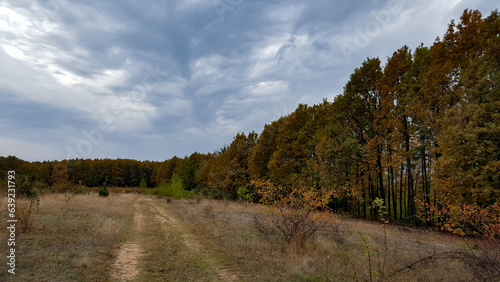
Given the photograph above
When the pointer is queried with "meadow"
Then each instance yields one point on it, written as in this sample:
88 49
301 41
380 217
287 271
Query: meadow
135 237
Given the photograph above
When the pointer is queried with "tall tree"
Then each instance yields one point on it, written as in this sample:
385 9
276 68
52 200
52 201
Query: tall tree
261 153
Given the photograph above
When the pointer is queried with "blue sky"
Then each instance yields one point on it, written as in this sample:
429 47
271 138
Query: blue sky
151 79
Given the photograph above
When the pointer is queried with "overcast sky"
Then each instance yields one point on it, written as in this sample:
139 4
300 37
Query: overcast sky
151 79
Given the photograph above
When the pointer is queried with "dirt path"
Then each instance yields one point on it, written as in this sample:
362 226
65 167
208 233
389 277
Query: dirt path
191 242
127 264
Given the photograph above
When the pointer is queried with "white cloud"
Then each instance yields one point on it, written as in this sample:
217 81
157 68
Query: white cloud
268 88
170 75
14 52
284 12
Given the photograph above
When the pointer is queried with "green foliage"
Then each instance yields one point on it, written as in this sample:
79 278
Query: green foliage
174 189
263 150
228 169
103 192
164 171
247 194
294 146
378 204
143 184
188 171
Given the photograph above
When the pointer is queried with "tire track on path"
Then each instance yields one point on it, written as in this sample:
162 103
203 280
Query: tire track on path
190 241
127 264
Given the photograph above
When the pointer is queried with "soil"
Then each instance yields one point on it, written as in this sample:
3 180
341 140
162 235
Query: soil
127 264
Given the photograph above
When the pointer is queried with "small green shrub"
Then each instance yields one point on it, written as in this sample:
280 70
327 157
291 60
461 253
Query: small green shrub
244 194
248 194
103 192
174 189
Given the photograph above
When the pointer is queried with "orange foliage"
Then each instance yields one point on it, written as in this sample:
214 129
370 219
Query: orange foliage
297 213
472 220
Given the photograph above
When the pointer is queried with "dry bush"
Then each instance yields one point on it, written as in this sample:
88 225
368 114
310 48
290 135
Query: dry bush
266 230
336 230
26 207
482 258
25 210
293 215
377 254
323 259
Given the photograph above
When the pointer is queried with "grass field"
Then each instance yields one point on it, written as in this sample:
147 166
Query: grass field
143 238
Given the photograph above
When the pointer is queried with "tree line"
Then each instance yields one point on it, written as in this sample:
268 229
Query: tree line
419 134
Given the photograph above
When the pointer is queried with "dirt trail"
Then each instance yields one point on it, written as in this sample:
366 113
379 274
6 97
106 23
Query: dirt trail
127 264
191 242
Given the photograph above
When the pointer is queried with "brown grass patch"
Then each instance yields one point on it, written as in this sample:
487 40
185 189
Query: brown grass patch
325 257
168 257
77 238
71 240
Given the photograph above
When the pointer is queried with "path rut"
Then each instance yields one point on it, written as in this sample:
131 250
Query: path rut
127 264
191 242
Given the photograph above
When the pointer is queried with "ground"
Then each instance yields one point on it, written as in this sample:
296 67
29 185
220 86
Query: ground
130 237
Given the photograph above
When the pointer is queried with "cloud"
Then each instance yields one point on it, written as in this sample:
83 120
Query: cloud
174 77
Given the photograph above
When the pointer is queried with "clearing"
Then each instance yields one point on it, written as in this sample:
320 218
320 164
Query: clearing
129 237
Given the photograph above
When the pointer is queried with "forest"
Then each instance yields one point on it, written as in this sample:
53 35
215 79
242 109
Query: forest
415 137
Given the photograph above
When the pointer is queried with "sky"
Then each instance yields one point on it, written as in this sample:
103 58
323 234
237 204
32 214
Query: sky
151 79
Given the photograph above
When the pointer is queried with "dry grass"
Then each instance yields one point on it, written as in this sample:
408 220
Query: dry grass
71 239
325 258
167 257
80 237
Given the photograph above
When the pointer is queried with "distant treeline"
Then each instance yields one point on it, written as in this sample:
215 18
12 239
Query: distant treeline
421 132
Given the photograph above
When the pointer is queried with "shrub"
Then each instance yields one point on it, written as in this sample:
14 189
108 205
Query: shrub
27 202
143 184
27 205
143 187
247 194
103 192
473 220
294 215
174 189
